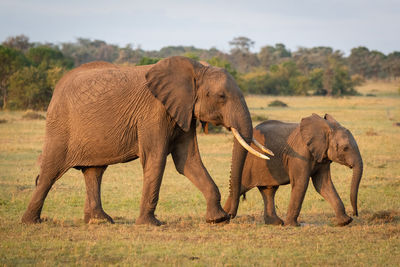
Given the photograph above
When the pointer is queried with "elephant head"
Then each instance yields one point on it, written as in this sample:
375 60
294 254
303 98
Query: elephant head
328 140
190 90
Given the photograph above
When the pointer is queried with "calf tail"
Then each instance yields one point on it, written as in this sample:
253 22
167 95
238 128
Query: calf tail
37 178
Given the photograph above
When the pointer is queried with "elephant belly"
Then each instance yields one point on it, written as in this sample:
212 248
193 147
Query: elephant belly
276 174
99 143
266 173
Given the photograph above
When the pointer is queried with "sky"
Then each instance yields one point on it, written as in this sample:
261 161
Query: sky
153 24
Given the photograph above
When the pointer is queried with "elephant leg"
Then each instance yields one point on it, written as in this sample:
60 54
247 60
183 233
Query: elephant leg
187 161
153 169
228 203
93 207
268 194
299 185
44 182
323 184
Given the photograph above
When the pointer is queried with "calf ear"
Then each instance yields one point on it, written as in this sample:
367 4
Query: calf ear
172 81
331 120
315 133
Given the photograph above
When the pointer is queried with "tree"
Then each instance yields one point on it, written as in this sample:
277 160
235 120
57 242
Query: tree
241 57
19 42
127 55
253 82
391 65
366 63
49 57
11 60
316 78
270 55
85 50
317 57
337 79
29 89
327 81
242 44
222 63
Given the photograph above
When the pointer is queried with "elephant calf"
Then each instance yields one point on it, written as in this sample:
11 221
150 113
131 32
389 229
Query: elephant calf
302 151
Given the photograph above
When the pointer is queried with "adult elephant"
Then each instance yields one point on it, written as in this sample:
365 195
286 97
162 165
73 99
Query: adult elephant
102 114
302 151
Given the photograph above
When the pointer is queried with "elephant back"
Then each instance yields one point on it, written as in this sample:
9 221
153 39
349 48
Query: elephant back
275 130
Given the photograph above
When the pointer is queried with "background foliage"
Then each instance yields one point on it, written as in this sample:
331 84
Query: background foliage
29 71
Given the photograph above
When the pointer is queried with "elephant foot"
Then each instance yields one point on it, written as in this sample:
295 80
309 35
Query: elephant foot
344 221
217 217
97 216
273 220
28 218
148 219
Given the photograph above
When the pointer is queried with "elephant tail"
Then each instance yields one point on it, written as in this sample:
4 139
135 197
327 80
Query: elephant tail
36 180
244 197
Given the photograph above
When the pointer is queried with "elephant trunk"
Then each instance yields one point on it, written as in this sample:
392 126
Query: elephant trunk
355 182
244 126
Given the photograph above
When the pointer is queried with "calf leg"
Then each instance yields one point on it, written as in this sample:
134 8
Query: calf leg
299 186
323 184
268 194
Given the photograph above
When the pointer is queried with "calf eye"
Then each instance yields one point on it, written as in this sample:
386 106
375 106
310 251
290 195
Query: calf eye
221 95
345 148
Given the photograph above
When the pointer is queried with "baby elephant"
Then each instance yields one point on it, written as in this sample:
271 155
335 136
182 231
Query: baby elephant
302 151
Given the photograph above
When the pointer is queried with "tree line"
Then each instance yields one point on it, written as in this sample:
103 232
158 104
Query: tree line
29 71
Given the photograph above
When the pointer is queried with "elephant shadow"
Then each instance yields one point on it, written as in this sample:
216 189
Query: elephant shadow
382 217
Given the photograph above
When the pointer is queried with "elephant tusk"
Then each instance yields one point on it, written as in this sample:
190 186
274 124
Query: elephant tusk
263 148
246 146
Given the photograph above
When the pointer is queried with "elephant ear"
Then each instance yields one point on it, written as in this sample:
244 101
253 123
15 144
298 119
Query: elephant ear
173 81
331 120
315 133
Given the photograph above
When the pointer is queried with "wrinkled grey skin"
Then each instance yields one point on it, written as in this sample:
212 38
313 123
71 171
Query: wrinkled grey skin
302 151
102 114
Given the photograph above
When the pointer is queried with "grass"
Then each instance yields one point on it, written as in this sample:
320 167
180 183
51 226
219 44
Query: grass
373 238
380 88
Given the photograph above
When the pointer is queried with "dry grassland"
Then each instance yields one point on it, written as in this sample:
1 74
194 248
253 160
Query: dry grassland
373 238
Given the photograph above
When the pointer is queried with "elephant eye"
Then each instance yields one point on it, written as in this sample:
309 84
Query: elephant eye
345 148
221 96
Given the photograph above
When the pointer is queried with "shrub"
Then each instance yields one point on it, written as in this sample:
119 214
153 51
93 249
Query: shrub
148 61
256 117
277 103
